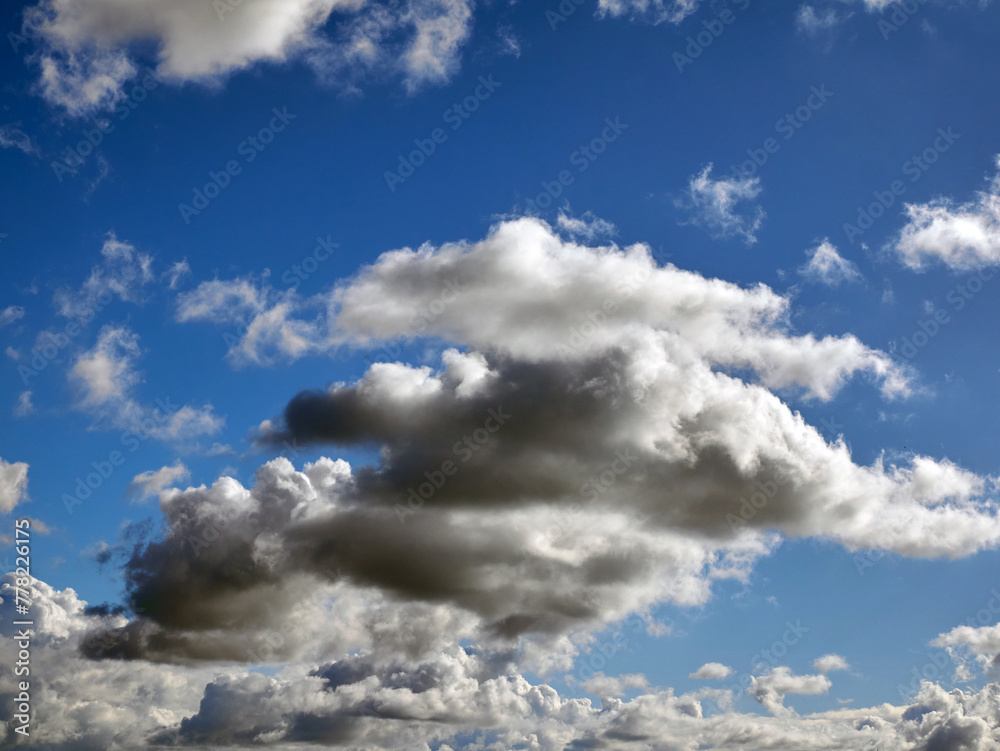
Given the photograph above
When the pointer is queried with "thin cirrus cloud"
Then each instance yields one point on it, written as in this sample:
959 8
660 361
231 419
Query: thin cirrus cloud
723 207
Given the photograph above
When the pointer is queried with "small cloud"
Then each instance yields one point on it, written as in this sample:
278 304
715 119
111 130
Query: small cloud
10 314
24 406
826 266
813 22
586 227
37 525
711 671
14 138
888 293
13 354
13 484
174 274
711 205
57 562
829 663
221 449
149 484
509 43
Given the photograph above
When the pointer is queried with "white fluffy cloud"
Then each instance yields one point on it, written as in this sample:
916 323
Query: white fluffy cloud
713 205
960 236
149 484
711 671
87 48
13 484
827 266
106 377
830 663
770 689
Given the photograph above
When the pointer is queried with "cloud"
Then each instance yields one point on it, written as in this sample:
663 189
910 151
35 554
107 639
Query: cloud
88 51
386 697
13 484
221 301
10 314
605 685
149 484
106 377
812 21
263 319
830 663
175 273
220 449
106 372
602 436
652 11
959 236
711 205
14 138
770 689
586 227
24 407
122 273
826 266
711 671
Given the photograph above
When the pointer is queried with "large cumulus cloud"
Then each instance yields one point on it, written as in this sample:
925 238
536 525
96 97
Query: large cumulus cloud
604 435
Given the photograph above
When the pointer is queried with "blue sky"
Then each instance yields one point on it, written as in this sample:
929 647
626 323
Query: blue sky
590 129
